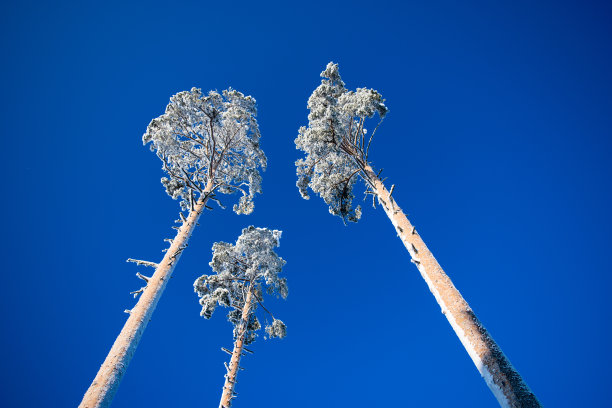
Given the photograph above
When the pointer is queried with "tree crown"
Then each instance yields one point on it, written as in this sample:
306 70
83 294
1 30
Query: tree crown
334 142
209 138
249 265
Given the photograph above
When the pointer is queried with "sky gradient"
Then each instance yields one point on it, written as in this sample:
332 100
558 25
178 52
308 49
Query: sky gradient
498 140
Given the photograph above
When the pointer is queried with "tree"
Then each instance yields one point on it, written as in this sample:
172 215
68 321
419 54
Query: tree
207 144
336 148
241 272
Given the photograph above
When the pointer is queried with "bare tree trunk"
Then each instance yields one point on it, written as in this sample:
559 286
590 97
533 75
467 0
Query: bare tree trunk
230 377
501 377
104 386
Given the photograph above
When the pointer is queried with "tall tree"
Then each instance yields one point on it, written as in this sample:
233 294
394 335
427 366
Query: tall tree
336 146
241 272
207 144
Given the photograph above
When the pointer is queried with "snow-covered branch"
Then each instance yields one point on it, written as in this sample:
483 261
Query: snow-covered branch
334 142
194 139
247 266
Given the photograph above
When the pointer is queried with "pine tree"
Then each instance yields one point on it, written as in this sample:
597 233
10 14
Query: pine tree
208 144
241 272
336 146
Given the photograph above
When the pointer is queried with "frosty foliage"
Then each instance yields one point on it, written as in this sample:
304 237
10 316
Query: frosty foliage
277 329
248 265
335 142
209 138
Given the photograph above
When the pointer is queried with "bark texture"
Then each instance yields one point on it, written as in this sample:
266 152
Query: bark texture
501 377
105 384
234 365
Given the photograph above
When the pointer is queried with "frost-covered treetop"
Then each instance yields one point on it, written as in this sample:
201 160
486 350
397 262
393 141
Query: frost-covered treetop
249 265
335 142
209 138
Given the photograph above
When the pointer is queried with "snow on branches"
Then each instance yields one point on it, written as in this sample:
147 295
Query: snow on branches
335 142
212 138
242 270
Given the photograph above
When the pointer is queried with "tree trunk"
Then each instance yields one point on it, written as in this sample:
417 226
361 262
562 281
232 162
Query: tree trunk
104 386
501 377
230 377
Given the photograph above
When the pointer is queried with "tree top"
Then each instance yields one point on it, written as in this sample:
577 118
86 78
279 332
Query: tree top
249 265
335 144
209 138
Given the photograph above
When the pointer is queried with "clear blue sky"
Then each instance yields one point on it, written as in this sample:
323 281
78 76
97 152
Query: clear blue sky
498 140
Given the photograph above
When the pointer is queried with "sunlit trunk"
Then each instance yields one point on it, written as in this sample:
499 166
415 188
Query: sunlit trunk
104 386
234 365
501 377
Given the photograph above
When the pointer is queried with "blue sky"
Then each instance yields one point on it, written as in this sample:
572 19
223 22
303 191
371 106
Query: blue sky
497 139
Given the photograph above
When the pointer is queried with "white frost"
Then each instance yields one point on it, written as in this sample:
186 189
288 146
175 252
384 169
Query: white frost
209 138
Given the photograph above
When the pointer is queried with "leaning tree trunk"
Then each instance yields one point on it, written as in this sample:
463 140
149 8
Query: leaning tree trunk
501 377
104 386
234 365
